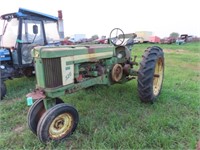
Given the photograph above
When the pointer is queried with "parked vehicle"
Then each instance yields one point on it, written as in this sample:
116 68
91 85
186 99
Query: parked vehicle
64 70
184 38
67 42
167 40
76 38
22 31
145 35
101 40
138 40
154 39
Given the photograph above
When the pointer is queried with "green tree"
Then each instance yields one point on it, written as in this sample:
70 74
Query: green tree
174 35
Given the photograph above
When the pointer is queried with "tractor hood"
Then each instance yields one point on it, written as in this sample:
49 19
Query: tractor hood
75 53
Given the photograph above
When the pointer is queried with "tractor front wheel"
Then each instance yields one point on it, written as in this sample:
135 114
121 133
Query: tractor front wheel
3 89
151 74
35 113
57 123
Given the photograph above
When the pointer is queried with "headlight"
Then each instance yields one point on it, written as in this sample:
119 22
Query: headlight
121 54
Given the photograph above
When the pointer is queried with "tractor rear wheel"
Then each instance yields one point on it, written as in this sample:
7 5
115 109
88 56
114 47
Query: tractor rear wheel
3 89
57 123
151 74
35 113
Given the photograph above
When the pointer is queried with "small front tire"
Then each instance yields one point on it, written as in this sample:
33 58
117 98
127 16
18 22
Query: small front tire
35 113
57 123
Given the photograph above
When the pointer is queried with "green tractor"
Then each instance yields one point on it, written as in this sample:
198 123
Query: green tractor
67 69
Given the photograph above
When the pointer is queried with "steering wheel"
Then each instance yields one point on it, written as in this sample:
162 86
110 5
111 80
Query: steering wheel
117 36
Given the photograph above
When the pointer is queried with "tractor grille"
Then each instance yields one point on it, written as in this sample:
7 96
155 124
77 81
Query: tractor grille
52 72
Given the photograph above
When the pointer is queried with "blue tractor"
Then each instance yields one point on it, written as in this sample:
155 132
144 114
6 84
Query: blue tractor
21 32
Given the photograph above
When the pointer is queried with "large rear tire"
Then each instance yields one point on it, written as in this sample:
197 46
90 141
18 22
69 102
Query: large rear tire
3 89
57 123
151 74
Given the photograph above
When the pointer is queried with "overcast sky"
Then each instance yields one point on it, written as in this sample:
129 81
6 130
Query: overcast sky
100 16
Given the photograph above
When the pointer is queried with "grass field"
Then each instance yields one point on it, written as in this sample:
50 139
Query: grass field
113 117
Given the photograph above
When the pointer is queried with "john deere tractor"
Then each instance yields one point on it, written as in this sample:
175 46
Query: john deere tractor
66 69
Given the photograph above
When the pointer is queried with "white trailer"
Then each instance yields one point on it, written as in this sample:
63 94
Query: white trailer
145 35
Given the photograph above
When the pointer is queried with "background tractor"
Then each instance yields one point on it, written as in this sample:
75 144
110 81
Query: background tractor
67 69
21 31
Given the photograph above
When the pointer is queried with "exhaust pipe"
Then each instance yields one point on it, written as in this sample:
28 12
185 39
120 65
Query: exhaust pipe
60 25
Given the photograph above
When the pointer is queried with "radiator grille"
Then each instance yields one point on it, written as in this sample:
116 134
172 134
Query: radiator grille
52 72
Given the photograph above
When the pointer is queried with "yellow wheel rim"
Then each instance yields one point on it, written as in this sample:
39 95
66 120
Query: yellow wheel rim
61 126
158 77
117 72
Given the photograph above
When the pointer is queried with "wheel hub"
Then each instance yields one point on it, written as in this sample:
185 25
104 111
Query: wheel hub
117 72
61 126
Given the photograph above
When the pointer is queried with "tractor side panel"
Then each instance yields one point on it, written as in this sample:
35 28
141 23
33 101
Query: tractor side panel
59 66
67 71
